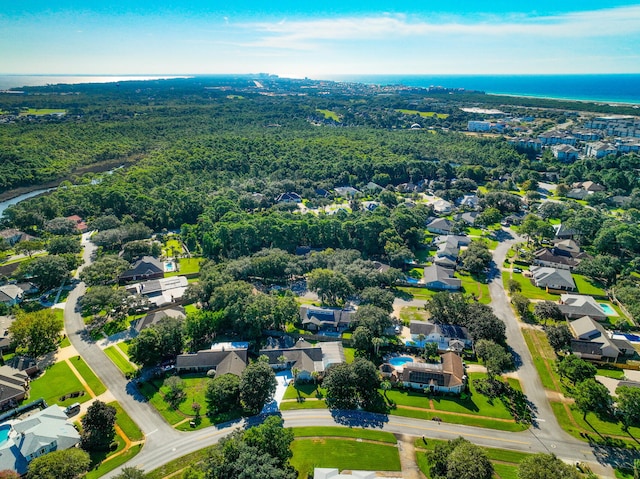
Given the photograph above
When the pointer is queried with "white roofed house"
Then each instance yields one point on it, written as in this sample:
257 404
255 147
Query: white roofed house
442 207
552 278
565 152
578 305
592 341
161 291
600 149
11 294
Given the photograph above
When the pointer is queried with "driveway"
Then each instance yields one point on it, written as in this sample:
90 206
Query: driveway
283 378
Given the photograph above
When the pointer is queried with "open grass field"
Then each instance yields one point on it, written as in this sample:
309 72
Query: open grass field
416 293
42 111
343 454
88 375
155 398
534 339
304 391
413 313
329 115
119 360
57 381
178 464
124 346
117 461
423 114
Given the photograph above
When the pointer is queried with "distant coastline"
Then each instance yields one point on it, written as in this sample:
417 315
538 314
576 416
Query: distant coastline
19 81
623 89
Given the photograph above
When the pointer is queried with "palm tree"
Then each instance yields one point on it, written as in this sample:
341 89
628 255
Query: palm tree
385 386
636 469
295 371
421 338
377 342
282 359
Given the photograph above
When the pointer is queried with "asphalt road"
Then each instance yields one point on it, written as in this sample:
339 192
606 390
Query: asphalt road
163 443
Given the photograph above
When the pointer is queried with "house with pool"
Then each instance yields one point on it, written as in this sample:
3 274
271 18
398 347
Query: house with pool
447 376
448 337
22 441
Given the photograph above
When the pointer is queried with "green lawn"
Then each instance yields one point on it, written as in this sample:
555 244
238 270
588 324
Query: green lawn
349 354
124 346
423 114
89 376
588 286
336 431
413 313
178 464
195 388
128 426
538 360
57 381
474 287
187 266
528 289
155 398
288 406
417 293
342 454
329 115
305 391
119 360
111 464
42 111
611 373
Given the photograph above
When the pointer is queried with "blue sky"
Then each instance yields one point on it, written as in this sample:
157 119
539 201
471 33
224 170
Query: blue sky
319 39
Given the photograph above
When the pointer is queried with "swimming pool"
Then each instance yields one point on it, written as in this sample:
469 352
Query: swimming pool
169 266
400 361
608 310
4 432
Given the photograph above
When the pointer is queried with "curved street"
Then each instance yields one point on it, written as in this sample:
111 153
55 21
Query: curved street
164 444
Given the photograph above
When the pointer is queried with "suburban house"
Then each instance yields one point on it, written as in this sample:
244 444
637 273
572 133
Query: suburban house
346 191
578 194
322 193
441 278
151 319
589 186
14 385
552 278
145 268
5 337
558 258
563 232
223 358
568 245
306 358
46 431
24 364
469 201
372 187
81 226
289 197
160 291
578 305
11 294
565 152
13 236
468 217
448 376
441 226
325 319
442 207
592 342
448 337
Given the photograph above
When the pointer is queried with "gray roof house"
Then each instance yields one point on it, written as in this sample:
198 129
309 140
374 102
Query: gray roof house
224 360
289 197
441 278
14 385
592 341
552 278
325 319
441 226
155 317
557 258
46 431
346 191
11 294
305 357
145 268
578 305
563 232
468 217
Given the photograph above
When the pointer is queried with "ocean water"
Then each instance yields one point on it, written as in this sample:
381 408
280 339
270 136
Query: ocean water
609 88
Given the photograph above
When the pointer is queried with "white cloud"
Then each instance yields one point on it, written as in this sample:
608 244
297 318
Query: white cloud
305 34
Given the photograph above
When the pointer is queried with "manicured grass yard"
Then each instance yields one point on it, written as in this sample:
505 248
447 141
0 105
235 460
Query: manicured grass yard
119 360
305 391
124 346
155 398
187 266
474 287
127 425
413 313
57 381
423 114
588 286
42 111
417 293
528 289
538 360
349 354
89 376
342 454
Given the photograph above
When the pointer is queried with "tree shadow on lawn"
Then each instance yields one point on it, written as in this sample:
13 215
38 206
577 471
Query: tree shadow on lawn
359 418
466 402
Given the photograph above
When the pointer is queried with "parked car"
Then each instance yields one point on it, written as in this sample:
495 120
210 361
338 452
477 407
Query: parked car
517 270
